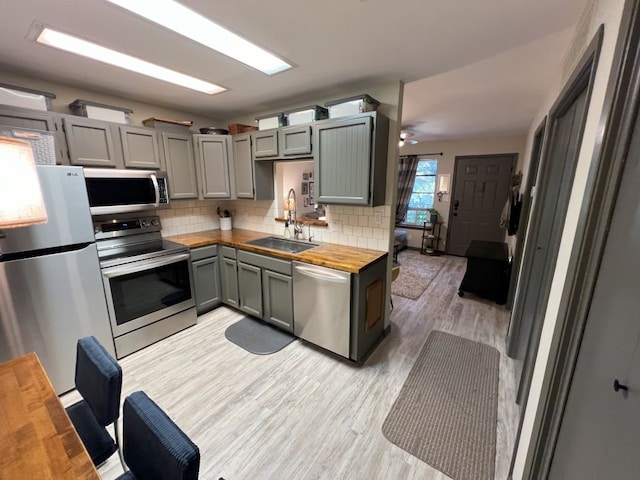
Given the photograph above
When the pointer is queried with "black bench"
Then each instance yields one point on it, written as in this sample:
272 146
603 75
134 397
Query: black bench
488 271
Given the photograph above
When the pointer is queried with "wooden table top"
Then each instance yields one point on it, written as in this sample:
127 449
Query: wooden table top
37 439
331 255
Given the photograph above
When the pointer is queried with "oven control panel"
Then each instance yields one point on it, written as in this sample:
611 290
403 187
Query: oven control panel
118 227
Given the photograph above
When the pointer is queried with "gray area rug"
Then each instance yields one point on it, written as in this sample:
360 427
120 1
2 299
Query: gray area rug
257 337
447 411
416 273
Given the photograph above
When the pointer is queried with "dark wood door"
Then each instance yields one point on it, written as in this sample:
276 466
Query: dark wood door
480 192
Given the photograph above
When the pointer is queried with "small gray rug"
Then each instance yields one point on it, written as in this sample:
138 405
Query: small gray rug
447 411
257 337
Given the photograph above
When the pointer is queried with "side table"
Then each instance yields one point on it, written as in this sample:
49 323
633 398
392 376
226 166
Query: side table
430 238
487 271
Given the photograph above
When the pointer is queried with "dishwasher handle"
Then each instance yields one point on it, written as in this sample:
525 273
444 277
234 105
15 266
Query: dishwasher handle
321 274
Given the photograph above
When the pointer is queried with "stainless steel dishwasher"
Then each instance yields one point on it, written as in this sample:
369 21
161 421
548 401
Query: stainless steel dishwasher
322 306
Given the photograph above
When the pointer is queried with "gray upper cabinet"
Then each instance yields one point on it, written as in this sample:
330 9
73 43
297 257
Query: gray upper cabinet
140 147
350 160
243 165
295 140
36 120
90 142
265 143
180 162
26 118
213 163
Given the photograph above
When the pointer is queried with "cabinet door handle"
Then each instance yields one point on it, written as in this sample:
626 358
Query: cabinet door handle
618 386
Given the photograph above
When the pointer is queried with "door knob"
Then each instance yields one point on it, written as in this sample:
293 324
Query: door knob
618 386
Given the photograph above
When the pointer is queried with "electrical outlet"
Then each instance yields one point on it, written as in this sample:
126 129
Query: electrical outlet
378 217
409 236
337 225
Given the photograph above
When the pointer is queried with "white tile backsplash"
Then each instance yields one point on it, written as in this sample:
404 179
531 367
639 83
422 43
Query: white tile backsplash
359 228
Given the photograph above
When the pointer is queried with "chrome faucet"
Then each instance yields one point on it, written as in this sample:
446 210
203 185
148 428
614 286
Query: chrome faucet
297 227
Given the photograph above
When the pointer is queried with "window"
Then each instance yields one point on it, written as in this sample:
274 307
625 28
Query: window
424 188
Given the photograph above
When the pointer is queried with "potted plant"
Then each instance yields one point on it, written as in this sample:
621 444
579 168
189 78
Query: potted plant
433 215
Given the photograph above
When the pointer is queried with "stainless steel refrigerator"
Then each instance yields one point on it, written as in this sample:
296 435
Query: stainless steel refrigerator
51 290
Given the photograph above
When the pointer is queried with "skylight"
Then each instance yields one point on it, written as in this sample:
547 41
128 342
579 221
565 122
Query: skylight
94 51
186 22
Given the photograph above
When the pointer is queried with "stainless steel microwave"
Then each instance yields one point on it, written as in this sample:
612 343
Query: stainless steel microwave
122 191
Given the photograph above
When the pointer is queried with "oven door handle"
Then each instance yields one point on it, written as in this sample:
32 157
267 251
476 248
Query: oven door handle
143 265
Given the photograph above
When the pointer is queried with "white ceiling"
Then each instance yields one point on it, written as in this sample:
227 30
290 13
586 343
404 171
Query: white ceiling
335 44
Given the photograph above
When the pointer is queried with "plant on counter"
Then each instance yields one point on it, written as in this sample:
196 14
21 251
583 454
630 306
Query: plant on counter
224 213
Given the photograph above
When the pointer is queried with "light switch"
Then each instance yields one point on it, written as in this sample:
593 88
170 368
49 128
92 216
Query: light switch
378 217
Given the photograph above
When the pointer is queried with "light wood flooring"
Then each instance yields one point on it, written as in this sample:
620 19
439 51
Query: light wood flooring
303 413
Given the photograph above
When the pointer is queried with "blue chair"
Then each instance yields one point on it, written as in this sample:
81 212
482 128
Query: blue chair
98 379
154 446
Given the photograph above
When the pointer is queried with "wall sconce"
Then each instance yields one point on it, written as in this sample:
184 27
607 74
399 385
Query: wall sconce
21 202
444 182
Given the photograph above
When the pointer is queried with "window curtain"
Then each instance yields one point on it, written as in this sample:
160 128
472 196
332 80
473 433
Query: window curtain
407 168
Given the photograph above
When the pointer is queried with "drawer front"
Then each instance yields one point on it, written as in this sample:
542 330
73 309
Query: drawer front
263 261
228 252
204 252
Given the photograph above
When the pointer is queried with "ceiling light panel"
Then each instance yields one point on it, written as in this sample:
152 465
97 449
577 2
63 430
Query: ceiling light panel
94 51
186 22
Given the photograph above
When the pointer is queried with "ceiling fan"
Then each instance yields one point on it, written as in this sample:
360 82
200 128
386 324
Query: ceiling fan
405 138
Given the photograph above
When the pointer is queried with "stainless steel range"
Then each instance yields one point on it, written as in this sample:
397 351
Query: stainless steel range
147 281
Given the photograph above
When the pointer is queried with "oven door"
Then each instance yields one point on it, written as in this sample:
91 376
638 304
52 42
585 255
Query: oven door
121 191
143 292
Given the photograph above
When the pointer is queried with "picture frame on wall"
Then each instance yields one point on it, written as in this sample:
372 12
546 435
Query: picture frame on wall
305 188
311 191
305 176
306 201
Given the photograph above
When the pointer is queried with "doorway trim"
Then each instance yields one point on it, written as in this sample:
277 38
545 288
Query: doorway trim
603 182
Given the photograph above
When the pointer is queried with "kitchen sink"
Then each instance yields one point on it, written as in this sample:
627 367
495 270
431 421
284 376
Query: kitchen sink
282 244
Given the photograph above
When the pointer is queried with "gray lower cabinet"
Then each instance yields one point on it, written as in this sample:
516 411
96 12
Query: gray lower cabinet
180 163
277 291
212 155
140 147
206 278
229 276
250 293
350 159
266 288
90 142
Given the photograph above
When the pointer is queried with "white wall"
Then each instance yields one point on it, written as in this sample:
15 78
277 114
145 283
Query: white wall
289 175
446 163
607 12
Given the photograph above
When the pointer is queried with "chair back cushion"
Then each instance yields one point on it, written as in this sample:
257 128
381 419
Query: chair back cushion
154 446
98 379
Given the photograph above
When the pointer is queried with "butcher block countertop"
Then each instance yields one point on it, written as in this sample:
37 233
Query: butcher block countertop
331 255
